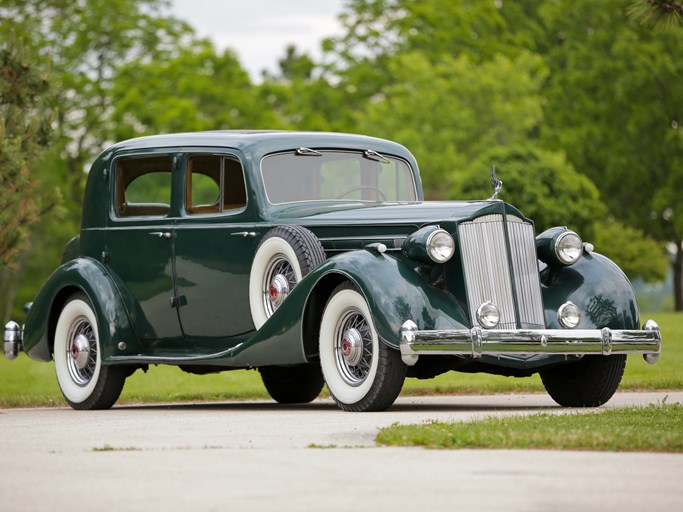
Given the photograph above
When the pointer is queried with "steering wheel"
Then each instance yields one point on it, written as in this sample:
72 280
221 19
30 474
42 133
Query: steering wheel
363 187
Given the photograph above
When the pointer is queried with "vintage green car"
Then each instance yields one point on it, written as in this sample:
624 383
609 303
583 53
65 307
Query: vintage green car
314 258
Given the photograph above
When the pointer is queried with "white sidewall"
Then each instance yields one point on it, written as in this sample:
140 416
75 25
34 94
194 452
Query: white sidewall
334 310
71 390
268 250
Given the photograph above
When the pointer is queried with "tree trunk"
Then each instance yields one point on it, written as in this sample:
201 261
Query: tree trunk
678 277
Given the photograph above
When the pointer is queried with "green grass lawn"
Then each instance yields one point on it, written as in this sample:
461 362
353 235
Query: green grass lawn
24 382
655 428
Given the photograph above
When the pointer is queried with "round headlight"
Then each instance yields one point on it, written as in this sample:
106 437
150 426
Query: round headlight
569 315
568 247
488 315
440 246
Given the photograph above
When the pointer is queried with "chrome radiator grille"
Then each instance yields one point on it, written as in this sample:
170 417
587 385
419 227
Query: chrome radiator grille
486 257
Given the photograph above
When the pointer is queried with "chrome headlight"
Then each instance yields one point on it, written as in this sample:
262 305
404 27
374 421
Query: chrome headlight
568 247
440 246
430 244
559 246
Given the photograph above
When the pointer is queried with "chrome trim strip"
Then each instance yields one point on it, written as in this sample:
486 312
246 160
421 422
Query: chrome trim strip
352 238
476 342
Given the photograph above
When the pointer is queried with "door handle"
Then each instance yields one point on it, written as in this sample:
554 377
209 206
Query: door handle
161 234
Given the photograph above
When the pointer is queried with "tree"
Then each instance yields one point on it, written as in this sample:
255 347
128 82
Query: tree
450 112
87 41
196 89
547 188
541 183
25 130
613 104
658 14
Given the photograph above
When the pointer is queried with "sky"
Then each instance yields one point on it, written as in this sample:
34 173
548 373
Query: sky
260 30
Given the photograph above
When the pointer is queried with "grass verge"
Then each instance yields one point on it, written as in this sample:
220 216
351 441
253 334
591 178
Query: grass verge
655 428
26 383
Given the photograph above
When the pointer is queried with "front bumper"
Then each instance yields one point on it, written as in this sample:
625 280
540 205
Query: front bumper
476 342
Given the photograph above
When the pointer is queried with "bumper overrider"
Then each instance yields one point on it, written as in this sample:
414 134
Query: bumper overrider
476 342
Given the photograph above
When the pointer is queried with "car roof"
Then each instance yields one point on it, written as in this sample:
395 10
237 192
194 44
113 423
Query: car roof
262 141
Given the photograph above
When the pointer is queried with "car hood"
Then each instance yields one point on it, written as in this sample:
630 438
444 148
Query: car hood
422 213
351 226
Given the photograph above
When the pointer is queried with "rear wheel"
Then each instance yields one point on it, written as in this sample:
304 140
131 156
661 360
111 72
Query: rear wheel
84 381
292 384
590 382
362 373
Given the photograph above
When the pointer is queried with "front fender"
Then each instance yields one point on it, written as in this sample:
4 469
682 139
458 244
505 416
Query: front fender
395 292
93 279
598 287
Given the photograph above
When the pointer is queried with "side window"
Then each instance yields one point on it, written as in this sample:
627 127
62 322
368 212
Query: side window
203 184
215 184
143 186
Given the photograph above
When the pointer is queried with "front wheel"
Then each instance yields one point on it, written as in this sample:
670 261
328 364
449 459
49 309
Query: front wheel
85 383
590 382
361 373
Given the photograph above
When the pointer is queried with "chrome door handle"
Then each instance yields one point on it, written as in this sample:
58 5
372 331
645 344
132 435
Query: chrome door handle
245 234
161 234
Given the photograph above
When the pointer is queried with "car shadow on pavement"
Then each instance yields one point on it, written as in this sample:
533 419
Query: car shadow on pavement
328 405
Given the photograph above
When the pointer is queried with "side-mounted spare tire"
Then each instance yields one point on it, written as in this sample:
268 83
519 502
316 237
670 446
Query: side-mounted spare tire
285 255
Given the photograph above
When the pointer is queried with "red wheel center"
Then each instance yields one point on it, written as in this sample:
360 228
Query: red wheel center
273 292
74 351
346 347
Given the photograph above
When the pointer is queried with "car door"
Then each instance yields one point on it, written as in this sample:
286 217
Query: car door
214 245
140 245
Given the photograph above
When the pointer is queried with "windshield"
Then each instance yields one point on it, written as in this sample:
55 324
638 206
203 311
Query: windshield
309 175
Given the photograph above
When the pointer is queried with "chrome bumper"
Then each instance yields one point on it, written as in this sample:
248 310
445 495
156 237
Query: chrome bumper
476 342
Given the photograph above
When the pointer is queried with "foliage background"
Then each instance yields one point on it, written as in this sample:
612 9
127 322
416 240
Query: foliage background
577 104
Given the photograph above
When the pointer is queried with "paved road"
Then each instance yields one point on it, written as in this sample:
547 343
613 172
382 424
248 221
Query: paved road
260 456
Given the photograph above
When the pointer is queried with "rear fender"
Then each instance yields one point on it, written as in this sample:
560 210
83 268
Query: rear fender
92 278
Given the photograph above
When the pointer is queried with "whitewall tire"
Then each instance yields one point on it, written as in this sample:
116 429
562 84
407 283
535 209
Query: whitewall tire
83 380
361 373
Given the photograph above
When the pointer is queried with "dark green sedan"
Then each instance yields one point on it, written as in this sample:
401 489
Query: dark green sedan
314 258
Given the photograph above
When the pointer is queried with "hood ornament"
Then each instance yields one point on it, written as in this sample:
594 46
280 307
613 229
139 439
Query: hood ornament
497 184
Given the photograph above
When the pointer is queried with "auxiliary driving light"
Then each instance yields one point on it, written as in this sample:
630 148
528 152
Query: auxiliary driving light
569 315
488 315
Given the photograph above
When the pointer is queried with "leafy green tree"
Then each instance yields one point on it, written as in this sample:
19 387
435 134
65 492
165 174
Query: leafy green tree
450 112
541 183
196 89
547 188
88 40
614 105
659 14
25 130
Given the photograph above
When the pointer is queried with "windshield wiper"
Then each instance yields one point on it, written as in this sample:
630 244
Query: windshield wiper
374 155
308 152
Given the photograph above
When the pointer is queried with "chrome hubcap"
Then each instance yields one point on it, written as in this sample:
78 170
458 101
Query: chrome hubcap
80 351
81 347
353 347
278 281
278 291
